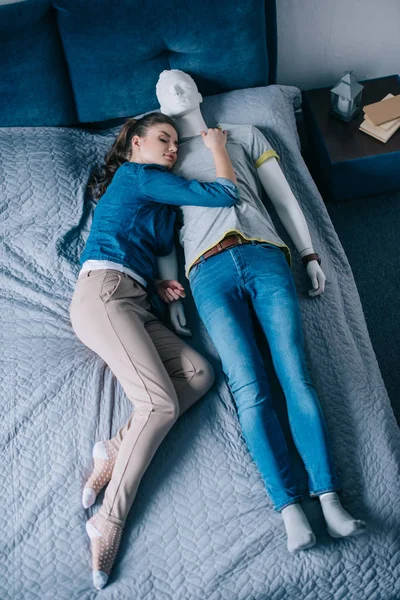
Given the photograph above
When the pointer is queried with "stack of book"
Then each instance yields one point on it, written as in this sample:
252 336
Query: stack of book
382 119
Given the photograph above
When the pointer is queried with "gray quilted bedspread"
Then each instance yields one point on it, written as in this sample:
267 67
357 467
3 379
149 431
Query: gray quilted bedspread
202 526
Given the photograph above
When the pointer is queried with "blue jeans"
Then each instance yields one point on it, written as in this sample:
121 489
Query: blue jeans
225 287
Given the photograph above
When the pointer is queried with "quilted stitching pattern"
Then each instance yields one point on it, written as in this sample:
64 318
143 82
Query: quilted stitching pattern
202 525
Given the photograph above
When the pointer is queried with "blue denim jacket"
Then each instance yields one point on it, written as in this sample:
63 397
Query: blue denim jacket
133 222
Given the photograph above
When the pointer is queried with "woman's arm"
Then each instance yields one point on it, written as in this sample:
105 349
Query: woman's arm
215 139
157 184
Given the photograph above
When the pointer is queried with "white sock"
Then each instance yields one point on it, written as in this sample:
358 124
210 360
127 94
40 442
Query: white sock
104 456
105 539
100 578
100 451
339 522
299 532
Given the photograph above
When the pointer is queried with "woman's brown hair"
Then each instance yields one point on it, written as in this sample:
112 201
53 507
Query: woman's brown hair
121 150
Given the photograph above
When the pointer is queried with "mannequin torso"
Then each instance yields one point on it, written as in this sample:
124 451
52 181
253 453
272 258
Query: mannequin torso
179 98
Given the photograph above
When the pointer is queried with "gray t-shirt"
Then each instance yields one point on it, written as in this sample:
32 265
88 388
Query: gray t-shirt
204 227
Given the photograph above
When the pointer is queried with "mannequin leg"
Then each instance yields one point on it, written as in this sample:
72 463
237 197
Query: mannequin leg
299 532
224 309
276 305
339 522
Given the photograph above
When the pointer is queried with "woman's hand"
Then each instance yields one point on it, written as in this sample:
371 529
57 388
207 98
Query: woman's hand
215 138
169 290
317 277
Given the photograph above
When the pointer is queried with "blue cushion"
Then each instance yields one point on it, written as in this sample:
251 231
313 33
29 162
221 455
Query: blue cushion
35 86
115 52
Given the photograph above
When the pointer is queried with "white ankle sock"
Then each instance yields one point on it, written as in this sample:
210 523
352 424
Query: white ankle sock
100 451
104 456
299 532
339 522
105 538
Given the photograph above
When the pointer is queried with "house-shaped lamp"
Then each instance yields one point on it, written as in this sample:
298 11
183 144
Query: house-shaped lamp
346 97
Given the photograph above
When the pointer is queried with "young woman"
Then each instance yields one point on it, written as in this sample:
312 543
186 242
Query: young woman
110 312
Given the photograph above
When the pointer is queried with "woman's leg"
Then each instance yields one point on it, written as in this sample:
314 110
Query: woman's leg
109 313
191 375
111 316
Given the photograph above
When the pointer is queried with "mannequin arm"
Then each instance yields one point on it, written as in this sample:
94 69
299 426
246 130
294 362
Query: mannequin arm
168 266
168 269
276 186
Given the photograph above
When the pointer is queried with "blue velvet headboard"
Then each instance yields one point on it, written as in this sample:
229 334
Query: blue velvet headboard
65 62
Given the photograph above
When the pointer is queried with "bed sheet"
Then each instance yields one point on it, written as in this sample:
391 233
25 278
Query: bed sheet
202 525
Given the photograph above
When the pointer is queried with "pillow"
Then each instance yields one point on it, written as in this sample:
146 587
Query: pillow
271 109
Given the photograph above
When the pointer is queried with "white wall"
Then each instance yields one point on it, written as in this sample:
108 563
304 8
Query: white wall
320 39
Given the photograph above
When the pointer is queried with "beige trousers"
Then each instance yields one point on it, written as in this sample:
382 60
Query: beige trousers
161 375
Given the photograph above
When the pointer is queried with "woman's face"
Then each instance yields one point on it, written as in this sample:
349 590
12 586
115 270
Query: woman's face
159 146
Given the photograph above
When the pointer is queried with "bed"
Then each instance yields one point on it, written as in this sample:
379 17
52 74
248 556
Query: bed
202 526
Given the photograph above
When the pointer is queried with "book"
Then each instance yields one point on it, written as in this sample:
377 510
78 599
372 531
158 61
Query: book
383 111
381 132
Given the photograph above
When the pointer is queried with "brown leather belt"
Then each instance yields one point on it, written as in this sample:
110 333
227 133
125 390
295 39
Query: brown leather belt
228 242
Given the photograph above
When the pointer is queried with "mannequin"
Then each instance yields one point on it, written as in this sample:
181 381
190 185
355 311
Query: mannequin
180 99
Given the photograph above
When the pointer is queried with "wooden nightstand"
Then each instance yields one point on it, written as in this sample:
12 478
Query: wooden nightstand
346 162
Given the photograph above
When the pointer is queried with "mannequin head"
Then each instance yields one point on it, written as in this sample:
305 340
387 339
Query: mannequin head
177 93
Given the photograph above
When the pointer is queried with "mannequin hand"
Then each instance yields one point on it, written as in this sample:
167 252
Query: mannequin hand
317 277
215 138
178 319
169 290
